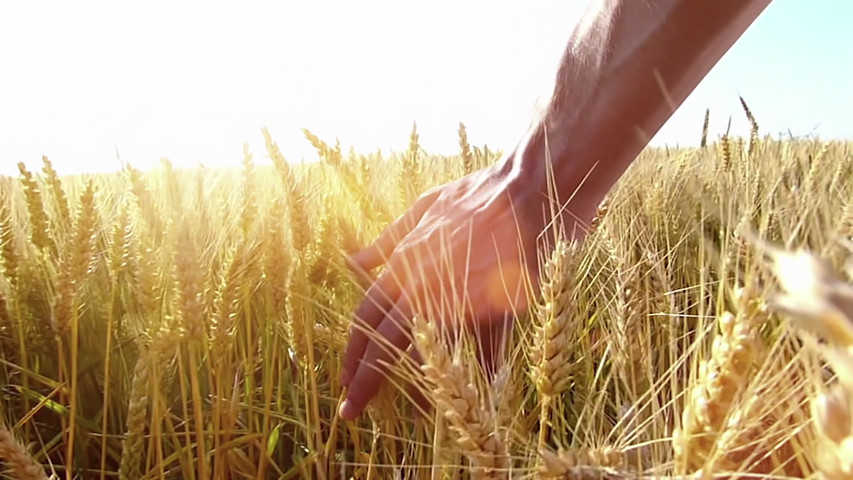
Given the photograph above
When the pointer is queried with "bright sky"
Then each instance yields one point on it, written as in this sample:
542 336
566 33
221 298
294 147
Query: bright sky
80 81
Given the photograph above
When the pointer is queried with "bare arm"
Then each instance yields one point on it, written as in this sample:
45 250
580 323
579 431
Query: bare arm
627 67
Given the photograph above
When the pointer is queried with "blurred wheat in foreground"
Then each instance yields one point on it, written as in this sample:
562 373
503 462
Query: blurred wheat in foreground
190 324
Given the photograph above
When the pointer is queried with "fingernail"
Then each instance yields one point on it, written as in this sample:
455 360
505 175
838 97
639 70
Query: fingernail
347 411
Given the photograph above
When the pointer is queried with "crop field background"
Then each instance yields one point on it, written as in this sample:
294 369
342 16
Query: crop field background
191 323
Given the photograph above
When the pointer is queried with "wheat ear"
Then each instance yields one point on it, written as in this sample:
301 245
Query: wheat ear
133 445
718 386
819 300
459 401
551 359
465 150
15 455
40 233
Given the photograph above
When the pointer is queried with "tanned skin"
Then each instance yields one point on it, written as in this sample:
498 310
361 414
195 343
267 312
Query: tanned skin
467 247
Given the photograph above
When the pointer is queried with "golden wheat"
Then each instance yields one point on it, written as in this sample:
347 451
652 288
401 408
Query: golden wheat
460 402
821 302
40 233
598 464
719 382
200 319
551 360
17 458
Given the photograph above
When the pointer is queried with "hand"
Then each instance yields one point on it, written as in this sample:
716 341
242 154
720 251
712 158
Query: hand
464 249
464 254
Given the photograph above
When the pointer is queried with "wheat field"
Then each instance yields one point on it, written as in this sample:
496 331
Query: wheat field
191 323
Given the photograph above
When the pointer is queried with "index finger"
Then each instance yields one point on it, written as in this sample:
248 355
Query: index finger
378 253
392 338
378 301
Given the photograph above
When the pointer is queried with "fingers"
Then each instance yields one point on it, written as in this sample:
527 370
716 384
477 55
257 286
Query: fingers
392 337
378 253
377 303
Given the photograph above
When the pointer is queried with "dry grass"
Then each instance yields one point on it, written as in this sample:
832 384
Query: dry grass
190 324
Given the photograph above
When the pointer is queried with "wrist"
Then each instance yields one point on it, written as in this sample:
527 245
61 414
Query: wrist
551 178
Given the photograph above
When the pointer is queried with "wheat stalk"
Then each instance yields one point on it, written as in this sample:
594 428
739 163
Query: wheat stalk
278 261
726 144
63 212
9 254
410 171
459 401
132 447
465 150
145 201
297 202
718 385
65 319
189 283
704 140
40 233
753 131
821 302
551 359
249 212
146 383
323 253
630 351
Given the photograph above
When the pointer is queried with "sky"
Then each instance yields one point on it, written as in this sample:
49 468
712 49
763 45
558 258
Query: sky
87 83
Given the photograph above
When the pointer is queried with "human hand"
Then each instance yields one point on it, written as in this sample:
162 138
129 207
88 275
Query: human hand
464 254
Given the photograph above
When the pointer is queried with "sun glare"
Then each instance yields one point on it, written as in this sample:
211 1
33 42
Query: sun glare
194 82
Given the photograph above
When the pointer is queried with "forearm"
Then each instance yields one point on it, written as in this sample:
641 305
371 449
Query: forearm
626 69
